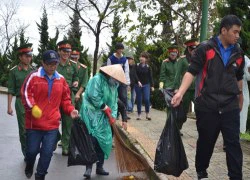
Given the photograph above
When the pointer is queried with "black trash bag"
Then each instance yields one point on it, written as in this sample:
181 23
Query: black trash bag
170 156
81 148
181 116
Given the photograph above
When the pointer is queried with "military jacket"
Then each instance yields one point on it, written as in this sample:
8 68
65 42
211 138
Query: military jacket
181 69
167 74
69 72
17 76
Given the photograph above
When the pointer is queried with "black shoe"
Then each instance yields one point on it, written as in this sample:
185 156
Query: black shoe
101 171
181 134
29 170
39 177
88 171
202 174
128 118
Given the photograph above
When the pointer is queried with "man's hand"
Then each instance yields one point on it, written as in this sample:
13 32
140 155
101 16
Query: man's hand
152 89
139 84
176 100
74 114
240 101
124 125
10 111
75 84
77 97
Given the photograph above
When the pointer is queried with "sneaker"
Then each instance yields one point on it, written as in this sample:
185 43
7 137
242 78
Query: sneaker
148 118
202 175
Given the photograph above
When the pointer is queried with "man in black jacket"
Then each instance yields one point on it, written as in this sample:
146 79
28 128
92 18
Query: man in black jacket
218 64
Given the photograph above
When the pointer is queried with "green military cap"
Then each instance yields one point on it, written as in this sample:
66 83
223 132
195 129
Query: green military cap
75 53
173 48
25 49
192 43
64 45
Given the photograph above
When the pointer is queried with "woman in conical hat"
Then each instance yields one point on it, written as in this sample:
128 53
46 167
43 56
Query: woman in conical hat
99 102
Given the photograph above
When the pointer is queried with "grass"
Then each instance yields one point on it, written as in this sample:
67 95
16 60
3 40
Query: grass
245 136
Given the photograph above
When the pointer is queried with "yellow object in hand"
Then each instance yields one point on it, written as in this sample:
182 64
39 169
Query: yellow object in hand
161 85
131 177
36 112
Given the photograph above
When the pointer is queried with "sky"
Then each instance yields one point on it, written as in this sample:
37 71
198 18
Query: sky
30 12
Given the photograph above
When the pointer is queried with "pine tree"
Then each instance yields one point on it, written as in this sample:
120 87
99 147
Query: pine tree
22 38
242 10
44 36
52 41
74 37
115 38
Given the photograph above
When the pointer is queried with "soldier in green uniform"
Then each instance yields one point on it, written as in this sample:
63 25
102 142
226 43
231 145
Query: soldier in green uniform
69 71
168 69
82 71
16 77
182 66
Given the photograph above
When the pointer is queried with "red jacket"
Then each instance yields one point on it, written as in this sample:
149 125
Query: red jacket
35 92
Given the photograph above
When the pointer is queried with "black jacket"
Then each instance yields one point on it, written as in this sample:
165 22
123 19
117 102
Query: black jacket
144 74
216 84
132 75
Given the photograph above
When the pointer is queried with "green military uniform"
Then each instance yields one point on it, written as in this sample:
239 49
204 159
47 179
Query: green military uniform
17 76
82 72
167 73
182 66
69 72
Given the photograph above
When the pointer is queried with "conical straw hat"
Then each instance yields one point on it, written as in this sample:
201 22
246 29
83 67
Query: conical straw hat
115 71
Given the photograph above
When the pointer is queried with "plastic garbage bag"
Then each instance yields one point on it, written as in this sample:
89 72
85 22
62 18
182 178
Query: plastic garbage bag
170 157
81 148
181 116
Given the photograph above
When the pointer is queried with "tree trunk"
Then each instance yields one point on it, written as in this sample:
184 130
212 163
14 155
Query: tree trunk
97 43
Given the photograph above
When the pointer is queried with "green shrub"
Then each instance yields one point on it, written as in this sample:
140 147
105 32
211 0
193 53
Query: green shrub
157 100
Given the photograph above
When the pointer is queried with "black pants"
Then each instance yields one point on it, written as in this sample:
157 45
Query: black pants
122 110
99 152
209 125
122 94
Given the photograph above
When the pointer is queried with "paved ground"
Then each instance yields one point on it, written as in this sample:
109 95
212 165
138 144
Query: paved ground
148 133
12 164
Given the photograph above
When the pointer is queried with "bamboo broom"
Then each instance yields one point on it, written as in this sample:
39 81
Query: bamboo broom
127 159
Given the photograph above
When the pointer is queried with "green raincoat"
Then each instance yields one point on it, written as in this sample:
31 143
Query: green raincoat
97 93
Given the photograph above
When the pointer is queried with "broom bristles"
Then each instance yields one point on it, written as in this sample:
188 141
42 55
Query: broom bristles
127 159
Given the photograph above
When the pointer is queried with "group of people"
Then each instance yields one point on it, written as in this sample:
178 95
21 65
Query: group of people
54 92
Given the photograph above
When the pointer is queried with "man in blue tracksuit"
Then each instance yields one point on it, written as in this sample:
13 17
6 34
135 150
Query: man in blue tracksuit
119 58
218 64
